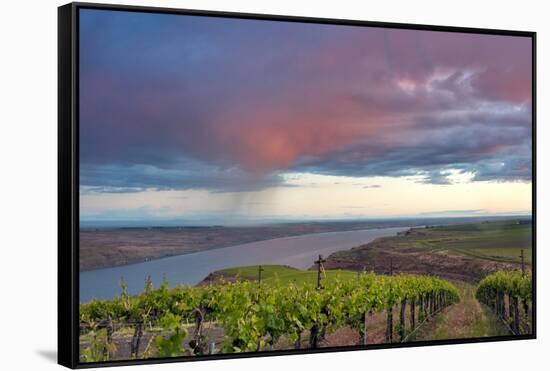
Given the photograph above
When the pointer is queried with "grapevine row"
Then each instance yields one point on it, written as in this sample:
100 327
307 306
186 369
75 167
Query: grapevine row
509 294
254 317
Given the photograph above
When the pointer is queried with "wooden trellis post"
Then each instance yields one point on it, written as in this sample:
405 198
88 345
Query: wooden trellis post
522 263
260 270
319 263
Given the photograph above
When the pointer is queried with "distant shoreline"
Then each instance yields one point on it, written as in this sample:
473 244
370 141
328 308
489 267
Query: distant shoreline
88 225
192 251
109 247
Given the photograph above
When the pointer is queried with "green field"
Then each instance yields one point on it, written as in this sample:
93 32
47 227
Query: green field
499 241
284 274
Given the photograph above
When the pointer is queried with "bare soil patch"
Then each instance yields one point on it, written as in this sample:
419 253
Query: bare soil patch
385 254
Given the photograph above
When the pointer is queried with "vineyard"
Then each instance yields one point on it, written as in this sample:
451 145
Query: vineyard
509 294
257 316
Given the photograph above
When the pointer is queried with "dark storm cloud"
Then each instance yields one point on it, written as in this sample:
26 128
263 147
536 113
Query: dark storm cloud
180 102
180 176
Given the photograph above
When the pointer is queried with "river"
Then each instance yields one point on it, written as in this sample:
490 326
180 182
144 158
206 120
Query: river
296 251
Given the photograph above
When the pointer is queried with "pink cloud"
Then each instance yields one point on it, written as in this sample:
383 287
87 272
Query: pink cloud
270 100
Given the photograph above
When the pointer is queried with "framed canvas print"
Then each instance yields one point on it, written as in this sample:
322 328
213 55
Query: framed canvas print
236 185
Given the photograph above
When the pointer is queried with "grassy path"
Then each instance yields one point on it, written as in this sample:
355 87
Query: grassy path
467 319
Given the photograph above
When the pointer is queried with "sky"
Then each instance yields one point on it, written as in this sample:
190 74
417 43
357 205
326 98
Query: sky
203 120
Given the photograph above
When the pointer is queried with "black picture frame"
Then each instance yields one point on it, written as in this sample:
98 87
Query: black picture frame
68 179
